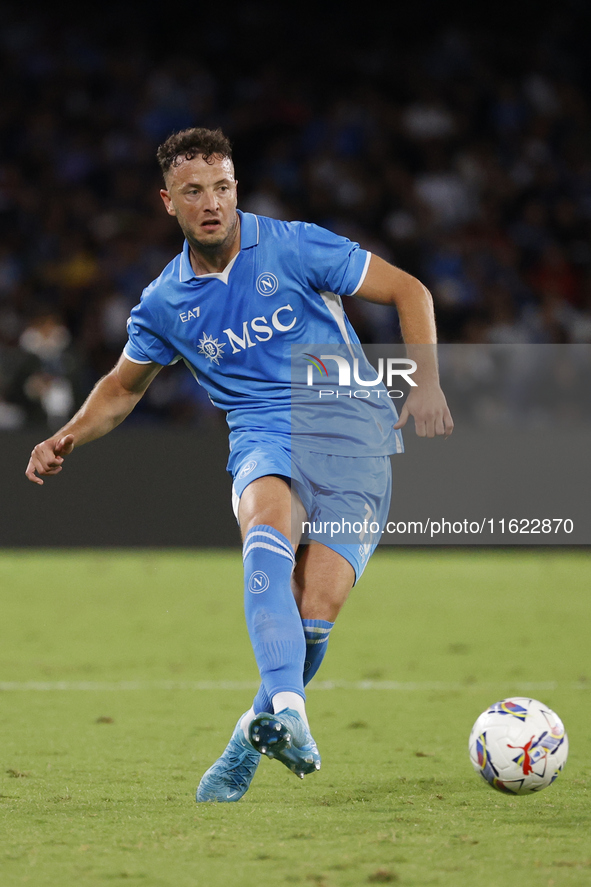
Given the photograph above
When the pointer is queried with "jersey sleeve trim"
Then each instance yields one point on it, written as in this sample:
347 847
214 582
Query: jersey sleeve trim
135 360
363 274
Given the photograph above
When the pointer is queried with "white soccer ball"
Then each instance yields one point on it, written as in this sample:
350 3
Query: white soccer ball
518 745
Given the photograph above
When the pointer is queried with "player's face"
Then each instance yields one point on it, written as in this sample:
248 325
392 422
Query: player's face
202 197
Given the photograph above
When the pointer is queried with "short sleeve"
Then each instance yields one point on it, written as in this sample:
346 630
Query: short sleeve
144 345
332 263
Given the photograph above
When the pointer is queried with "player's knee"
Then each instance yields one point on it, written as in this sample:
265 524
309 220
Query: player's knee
265 517
323 602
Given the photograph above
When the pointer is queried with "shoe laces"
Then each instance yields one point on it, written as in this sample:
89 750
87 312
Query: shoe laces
239 763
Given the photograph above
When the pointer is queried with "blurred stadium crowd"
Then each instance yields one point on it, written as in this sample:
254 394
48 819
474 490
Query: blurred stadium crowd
463 157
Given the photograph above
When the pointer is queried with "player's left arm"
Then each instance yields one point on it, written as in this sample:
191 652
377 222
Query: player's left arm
388 285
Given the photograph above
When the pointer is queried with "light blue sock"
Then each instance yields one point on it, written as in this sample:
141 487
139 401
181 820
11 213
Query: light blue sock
272 616
316 632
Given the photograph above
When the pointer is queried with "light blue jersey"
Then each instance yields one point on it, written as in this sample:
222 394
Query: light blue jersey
236 330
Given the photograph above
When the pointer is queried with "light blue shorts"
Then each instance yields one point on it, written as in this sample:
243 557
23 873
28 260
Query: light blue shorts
346 498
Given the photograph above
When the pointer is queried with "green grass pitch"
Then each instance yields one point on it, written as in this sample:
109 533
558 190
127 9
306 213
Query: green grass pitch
122 675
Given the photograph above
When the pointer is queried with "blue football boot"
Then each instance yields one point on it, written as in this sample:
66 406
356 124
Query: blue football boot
284 736
230 777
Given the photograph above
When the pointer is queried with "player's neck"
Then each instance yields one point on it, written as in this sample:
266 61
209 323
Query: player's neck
214 259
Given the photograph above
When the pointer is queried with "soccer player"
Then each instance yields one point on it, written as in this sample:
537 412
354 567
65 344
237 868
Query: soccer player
242 293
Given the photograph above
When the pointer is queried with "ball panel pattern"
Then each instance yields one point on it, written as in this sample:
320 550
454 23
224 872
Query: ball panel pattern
518 745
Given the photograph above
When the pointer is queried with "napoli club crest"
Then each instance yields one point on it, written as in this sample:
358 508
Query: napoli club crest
267 284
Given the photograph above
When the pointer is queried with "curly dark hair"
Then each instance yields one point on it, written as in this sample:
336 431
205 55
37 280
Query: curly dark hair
190 143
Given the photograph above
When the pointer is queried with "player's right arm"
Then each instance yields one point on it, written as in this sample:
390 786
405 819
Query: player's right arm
110 401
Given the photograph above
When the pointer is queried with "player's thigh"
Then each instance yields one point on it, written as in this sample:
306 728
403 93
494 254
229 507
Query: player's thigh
322 581
271 502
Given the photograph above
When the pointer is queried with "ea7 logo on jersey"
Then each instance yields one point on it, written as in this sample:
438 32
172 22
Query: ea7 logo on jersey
262 329
267 284
190 315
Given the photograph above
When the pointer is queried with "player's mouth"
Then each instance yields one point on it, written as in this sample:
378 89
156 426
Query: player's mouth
210 225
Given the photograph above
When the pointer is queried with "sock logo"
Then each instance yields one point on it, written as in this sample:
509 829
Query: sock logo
258 582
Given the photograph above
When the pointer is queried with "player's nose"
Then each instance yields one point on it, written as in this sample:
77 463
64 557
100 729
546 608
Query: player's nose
210 201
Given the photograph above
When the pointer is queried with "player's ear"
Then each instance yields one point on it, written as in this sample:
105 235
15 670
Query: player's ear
167 202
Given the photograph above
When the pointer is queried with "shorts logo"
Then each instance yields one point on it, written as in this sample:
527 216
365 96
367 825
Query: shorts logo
364 551
267 284
258 582
246 469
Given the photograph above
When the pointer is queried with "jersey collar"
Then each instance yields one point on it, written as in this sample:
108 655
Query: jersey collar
249 237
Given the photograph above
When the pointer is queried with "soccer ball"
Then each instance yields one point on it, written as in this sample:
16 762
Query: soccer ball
518 745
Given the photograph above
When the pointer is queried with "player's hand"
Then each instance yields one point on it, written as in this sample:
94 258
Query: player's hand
47 457
428 407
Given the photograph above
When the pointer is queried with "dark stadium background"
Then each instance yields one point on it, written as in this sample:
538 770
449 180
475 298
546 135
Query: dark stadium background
455 144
